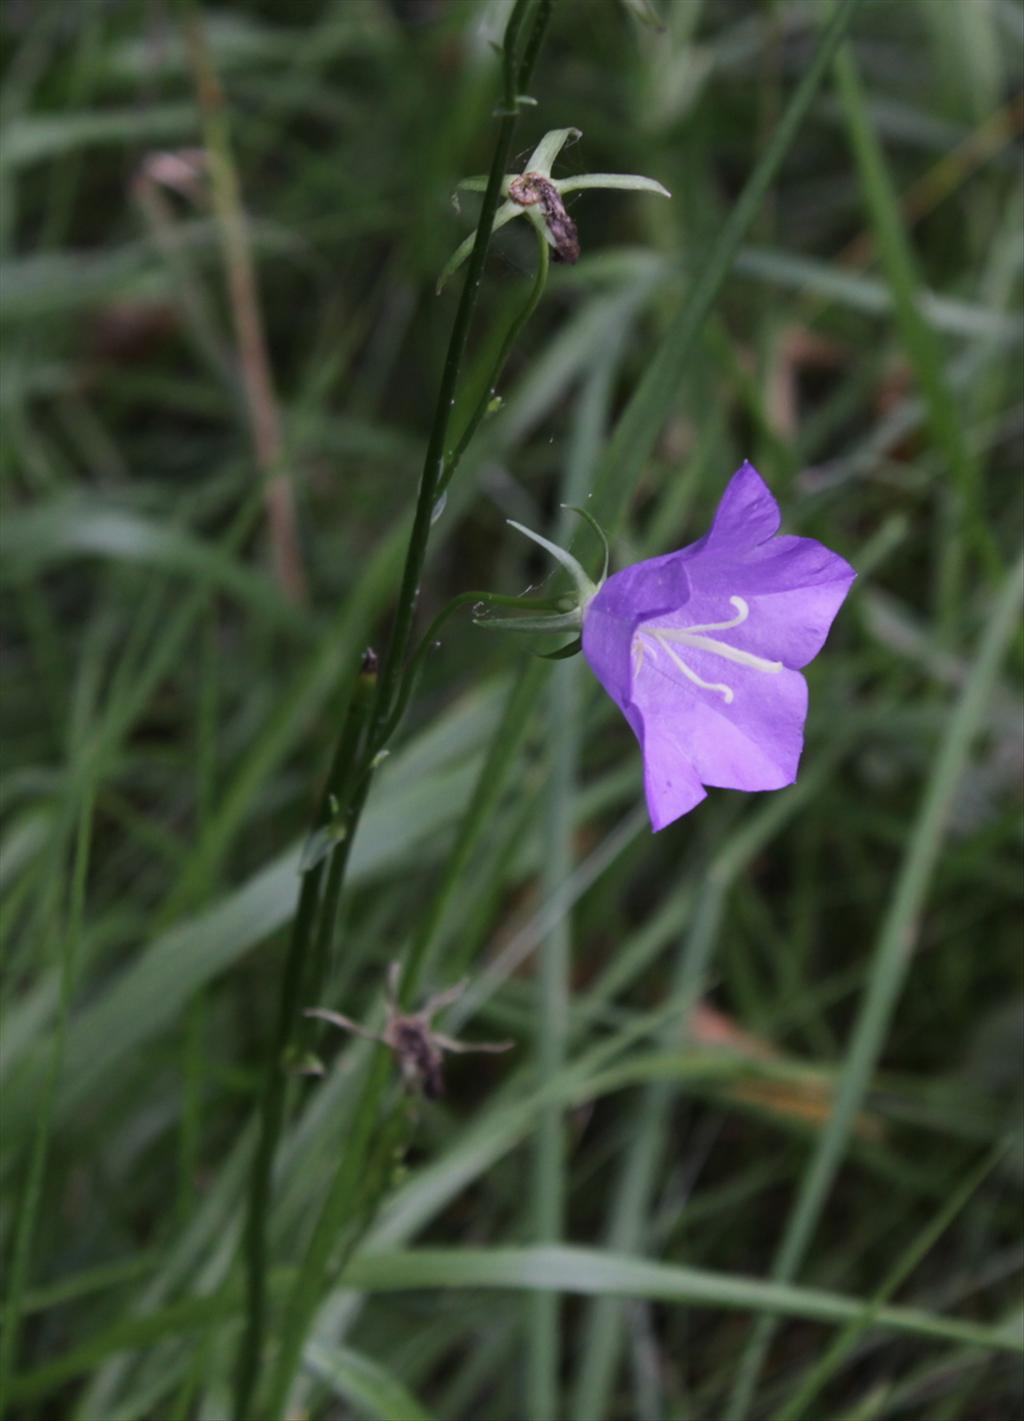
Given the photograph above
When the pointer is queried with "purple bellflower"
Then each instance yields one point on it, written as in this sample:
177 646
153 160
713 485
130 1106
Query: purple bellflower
701 650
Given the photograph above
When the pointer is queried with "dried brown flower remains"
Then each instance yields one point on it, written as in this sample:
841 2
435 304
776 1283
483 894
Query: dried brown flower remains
417 1047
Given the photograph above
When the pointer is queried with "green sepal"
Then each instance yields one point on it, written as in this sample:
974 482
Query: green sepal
584 587
572 648
556 622
602 535
621 182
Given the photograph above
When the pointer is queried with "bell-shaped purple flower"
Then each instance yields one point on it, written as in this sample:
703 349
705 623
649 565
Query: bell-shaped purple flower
702 649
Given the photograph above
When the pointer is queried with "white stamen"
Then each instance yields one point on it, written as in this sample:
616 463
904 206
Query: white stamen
725 691
742 613
693 637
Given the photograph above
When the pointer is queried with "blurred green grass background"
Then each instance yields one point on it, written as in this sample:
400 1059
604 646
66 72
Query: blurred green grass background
792 1017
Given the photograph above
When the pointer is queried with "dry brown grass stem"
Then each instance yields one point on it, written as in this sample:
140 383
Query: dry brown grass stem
257 378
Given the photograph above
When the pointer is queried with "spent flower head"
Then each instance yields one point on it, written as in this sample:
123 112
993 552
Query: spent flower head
536 195
411 1038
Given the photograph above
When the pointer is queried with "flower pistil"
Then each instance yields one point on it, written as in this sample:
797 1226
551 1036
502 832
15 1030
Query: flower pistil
694 638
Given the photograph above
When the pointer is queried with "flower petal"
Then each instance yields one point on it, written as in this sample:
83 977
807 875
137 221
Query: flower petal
606 641
645 589
793 587
621 601
747 514
752 742
701 649
671 783
792 625
787 623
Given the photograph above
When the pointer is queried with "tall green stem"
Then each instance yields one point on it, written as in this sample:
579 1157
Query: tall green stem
517 76
511 336
28 1213
347 790
349 1195
349 778
297 974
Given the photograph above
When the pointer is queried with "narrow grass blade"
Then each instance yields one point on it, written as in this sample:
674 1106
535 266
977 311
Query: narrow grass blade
581 1271
553 980
908 1260
962 518
348 1181
640 423
29 1204
603 1331
363 1383
32 539
591 1271
889 966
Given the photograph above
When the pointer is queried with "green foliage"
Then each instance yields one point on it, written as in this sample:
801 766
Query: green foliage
758 1146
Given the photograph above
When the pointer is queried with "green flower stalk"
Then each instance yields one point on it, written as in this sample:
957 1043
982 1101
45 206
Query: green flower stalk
358 749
